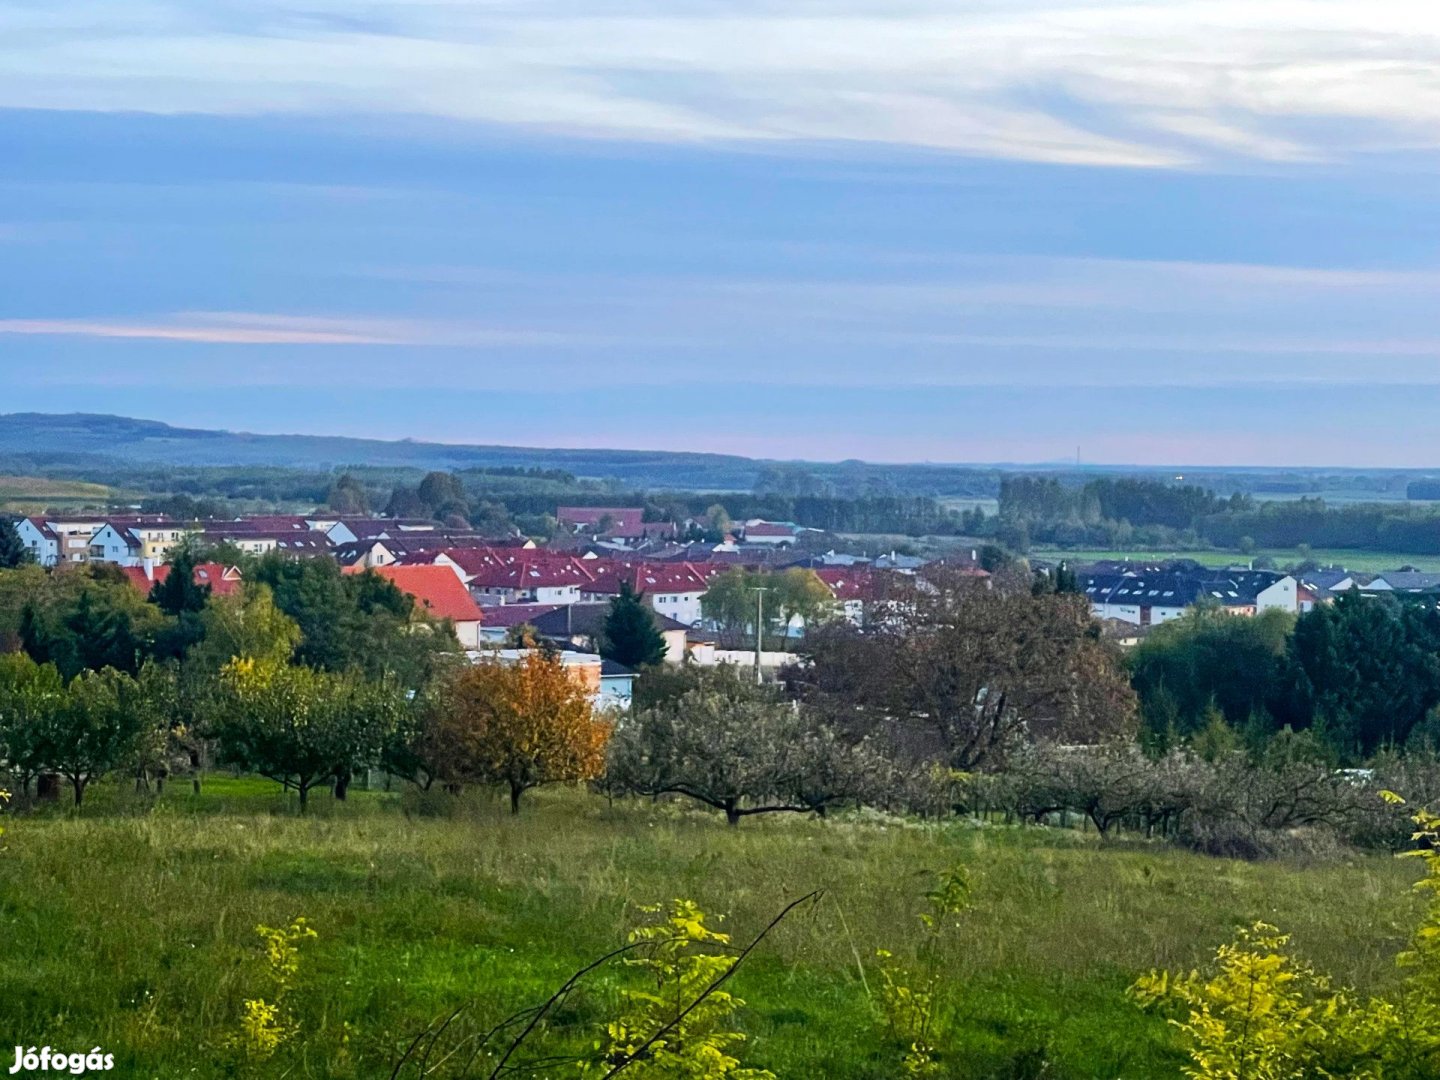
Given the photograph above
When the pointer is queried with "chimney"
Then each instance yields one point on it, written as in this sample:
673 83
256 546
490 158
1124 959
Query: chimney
148 564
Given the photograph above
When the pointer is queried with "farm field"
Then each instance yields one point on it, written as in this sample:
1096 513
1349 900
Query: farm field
1359 561
132 927
32 494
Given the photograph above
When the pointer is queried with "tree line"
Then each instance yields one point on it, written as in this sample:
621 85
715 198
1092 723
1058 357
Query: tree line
1127 512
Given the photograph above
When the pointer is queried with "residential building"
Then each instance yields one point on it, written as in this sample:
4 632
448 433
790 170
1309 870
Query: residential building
41 540
672 589
437 593
223 580
612 522
1151 598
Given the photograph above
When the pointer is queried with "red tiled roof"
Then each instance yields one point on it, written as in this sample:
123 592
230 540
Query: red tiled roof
223 580
519 568
651 577
436 589
849 582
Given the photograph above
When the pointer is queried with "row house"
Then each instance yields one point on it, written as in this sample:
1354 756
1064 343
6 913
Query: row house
518 575
671 589
1149 599
130 541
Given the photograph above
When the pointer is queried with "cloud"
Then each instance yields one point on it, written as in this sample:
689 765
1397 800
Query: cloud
1167 83
245 328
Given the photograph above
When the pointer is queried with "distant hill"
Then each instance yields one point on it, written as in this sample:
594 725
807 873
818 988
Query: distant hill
78 442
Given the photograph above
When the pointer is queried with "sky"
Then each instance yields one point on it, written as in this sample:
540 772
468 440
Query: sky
1158 232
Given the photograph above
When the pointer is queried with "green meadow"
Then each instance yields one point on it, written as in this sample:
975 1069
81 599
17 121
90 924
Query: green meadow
131 926
1365 562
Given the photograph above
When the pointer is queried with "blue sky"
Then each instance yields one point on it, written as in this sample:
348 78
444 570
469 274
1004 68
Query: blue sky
1177 231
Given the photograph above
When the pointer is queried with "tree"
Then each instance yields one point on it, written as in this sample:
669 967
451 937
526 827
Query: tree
1211 659
178 593
88 620
406 503
354 621
1366 671
717 520
300 726
800 598
442 493
29 694
82 731
520 725
961 672
740 749
348 496
13 551
629 635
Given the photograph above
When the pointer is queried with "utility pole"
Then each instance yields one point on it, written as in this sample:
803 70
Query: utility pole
759 592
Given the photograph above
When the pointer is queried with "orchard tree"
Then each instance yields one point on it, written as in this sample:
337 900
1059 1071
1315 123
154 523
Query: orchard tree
962 673
740 749
630 636
30 694
103 720
247 625
300 726
519 725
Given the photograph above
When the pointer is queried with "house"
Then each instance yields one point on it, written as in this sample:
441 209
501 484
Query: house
518 575
348 530
112 543
617 685
672 589
771 533
67 537
501 620
155 537
1404 581
1332 581
613 522
223 580
42 541
853 588
437 593
1153 597
581 625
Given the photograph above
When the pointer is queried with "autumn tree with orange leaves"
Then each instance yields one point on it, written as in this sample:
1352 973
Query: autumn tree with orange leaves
520 725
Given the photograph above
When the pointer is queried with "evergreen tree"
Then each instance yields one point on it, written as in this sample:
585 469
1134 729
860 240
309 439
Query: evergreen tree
13 551
178 593
630 636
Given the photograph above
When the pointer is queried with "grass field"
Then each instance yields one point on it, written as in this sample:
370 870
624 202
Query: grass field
132 928
32 494
1359 561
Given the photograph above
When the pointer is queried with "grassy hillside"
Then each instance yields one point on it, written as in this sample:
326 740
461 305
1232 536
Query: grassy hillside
136 931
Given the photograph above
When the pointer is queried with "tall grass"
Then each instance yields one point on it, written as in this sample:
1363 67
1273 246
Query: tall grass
133 927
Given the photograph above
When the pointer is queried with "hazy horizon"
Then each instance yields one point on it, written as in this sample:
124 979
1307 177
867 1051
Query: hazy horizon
1190 231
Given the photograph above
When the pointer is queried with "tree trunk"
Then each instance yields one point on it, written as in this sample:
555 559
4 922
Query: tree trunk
304 789
732 813
78 783
515 792
342 784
